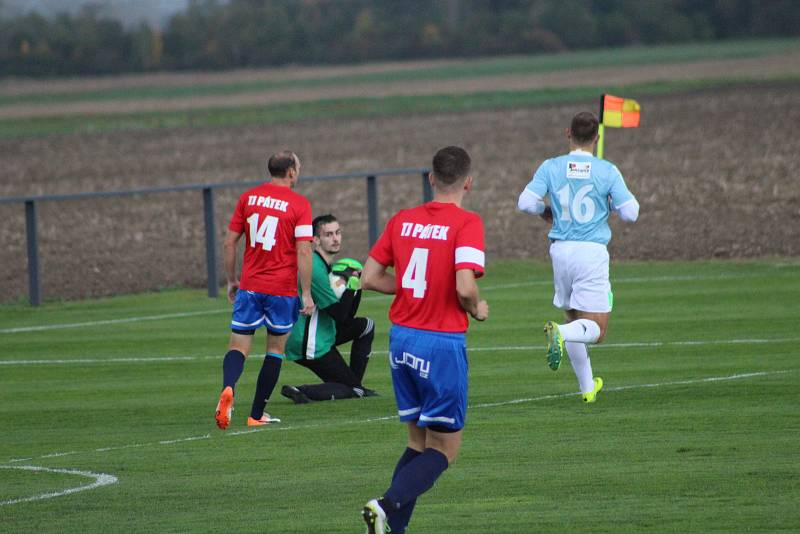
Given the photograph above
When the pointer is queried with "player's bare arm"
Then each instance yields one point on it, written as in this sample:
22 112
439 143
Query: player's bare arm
468 295
304 268
376 278
229 259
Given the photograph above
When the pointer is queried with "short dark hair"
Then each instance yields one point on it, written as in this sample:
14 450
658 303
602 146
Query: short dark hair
583 128
280 163
321 221
451 164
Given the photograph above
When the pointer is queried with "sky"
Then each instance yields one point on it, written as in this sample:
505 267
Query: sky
130 12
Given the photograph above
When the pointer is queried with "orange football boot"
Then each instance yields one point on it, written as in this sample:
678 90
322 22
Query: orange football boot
265 420
224 408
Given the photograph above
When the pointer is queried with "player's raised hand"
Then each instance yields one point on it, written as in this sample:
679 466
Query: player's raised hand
308 305
233 287
482 311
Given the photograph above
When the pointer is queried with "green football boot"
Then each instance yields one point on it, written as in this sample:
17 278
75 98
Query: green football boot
555 345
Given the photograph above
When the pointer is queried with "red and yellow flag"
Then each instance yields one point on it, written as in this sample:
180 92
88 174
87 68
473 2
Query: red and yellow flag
616 112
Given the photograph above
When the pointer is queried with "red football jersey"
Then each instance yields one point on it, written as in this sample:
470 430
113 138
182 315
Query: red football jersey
427 245
272 218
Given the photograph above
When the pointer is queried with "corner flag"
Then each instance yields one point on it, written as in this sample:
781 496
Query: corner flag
616 112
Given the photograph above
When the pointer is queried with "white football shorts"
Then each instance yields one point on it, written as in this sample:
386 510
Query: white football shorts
580 276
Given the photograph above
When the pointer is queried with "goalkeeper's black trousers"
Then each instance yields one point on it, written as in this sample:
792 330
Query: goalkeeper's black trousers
340 380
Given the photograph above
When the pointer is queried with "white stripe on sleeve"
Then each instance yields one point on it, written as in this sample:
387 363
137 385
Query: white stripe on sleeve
470 255
303 230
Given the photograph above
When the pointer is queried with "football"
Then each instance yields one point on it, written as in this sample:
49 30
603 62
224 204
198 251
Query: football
341 271
338 284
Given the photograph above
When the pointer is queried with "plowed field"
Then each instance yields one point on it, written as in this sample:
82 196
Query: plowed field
716 173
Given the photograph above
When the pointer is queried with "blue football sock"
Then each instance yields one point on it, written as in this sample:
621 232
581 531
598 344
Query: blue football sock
417 477
267 378
408 455
399 520
232 367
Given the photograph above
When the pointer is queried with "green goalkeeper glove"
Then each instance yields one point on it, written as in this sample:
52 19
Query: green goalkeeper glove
354 283
350 270
346 264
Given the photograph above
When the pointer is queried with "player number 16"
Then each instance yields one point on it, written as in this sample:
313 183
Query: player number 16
582 206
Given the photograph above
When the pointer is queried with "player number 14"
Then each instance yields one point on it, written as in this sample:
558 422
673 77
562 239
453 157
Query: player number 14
414 275
265 233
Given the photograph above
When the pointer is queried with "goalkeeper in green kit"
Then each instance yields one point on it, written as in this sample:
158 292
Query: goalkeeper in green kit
336 290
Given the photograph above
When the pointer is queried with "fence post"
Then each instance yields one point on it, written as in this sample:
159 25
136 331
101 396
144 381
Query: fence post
427 190
211 242
34 288
372 209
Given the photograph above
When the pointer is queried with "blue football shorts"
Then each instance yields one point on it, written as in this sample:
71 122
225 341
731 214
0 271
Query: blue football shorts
429 373
252 310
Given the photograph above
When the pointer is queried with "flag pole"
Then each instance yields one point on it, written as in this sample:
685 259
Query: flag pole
601 129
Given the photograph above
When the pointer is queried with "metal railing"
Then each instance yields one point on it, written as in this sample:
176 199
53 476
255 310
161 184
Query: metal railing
31 202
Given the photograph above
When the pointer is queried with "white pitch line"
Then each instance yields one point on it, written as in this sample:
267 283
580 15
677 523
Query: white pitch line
181 315
638 386
58 454
650 344
701 380
130 359
632 280
40 328
100 479
635 344
182 440
327 424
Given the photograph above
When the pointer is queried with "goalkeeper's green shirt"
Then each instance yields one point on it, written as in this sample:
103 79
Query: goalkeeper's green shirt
314 336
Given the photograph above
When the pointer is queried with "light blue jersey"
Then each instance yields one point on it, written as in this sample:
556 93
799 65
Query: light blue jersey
583 189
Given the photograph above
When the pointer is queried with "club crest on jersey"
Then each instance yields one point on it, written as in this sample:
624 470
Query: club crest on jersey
580 170
415 362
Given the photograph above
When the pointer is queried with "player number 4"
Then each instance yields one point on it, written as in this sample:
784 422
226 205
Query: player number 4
414 275
265 233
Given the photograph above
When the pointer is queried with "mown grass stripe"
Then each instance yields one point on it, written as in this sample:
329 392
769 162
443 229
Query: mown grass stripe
497 348
372 297
280 427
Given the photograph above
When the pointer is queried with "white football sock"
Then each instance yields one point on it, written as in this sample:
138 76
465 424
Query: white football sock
579 358
580 330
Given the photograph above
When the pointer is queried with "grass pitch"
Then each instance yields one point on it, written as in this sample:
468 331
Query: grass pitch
696 430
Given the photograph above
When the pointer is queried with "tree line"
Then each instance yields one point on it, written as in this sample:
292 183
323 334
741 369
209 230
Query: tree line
219 34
